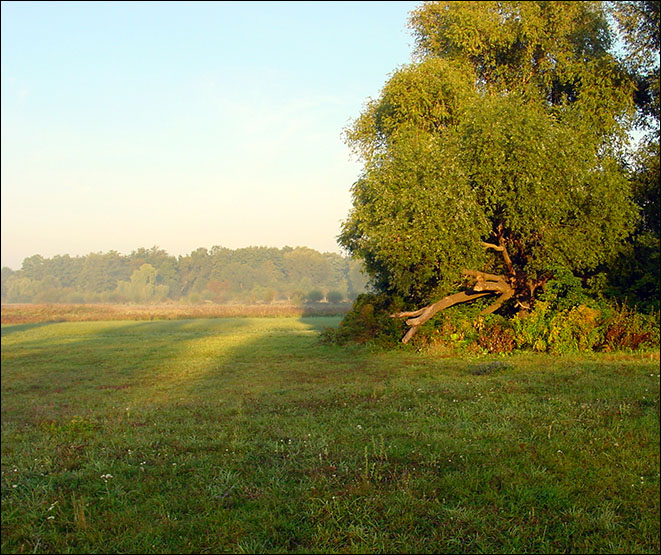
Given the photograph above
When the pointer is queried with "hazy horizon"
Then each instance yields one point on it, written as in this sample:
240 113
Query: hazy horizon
185 125
339 251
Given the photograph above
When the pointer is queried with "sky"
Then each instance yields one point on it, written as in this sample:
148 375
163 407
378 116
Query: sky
185 124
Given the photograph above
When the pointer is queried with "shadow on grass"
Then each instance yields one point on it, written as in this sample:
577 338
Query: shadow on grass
63 370
85 366
221 398
9 329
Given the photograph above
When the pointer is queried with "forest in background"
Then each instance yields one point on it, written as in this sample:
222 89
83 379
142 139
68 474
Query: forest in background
219 275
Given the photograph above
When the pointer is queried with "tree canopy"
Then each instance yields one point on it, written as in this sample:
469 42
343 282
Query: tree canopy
495 157
638 23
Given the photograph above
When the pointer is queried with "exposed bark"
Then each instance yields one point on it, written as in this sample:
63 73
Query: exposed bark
502 249
485 284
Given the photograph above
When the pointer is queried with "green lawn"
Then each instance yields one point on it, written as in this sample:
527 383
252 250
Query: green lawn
246 435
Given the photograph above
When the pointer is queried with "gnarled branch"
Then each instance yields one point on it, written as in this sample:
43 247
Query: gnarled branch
425 313
501 248
485 284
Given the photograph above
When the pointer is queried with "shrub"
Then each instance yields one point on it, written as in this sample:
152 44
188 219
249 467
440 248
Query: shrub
575 329
455 329
495 336
625 328
314 296
296 297
554 326
558 331
583 328
531 330
368 320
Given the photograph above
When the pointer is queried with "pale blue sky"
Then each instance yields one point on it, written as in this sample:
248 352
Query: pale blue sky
185 125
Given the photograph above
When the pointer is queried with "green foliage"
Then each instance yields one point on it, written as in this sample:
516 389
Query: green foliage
646 177
566 319
532 330
573 330
510 125
633 276
21 289
638 22
559 203
218 291
368 321
101 272
261 294
626 329
461 330
582 328
565 291
415 221
426 96
496 335
6 274
143 287
248 275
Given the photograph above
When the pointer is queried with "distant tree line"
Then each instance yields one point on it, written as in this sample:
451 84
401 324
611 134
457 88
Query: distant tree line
219 275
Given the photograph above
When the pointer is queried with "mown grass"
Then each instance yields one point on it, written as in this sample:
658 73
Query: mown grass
246 435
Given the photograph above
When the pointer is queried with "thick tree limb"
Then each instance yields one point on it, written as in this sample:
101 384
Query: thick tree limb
506 257
484 278
501 248
424 314
485 284
495 306
410 314
450 300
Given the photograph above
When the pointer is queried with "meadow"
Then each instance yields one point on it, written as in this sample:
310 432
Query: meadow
247 435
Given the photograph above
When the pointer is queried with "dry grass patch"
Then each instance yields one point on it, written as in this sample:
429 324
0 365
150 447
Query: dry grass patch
35 313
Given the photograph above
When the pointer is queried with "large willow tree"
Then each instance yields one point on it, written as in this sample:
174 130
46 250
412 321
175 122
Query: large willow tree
494 157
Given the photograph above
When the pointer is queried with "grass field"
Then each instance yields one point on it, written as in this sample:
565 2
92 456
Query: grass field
245 435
